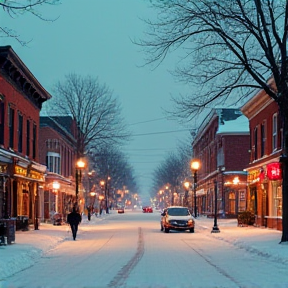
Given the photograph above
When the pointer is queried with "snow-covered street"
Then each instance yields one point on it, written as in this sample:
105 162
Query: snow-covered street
128 250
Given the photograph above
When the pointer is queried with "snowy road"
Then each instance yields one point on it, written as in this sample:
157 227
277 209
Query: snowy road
128 250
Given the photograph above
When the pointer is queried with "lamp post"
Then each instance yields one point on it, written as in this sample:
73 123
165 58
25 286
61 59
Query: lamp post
236 181
80 164
215 228
186 187
195 165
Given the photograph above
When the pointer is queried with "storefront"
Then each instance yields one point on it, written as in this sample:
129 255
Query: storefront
59 196
265 195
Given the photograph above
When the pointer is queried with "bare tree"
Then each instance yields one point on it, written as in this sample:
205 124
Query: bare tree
231 49
17 8
94 109
173 170
110 163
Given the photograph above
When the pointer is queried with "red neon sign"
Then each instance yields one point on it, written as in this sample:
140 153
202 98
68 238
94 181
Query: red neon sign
274 171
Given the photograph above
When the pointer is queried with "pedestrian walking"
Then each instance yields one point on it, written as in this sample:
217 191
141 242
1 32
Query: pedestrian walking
89 213
73 219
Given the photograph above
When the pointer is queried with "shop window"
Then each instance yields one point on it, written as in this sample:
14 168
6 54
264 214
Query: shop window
277 199
232 203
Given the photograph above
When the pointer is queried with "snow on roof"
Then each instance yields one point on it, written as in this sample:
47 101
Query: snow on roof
240 124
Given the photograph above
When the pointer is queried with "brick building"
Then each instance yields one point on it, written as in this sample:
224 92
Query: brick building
21 174
57 145
221 145
264 171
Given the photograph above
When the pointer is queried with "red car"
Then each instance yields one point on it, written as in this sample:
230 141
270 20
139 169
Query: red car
147 209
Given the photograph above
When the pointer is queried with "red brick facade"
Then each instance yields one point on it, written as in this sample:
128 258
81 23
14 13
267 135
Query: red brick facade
57 152
264 192
223 153
21 176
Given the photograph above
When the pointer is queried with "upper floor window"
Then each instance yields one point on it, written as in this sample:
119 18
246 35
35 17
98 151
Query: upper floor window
274 132
20 132
34 141
1 120
263 138
53 162
256 143
28 138
11 127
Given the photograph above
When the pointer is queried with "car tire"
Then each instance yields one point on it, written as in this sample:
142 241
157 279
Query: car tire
192 230
166 230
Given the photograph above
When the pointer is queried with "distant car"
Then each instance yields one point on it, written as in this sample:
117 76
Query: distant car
120 210
177 218
147 209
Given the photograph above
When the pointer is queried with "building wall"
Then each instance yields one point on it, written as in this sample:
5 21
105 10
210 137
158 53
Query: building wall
30 112
236 152
52 141
264 197
223 156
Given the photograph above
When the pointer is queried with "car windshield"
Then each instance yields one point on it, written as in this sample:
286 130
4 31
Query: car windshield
178 212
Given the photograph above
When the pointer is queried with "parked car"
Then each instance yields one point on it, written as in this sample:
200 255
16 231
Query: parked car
147 209
120 210
177 218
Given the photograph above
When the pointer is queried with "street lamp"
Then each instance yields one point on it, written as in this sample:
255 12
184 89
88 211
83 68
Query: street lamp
215 228
186 187
80 164
104 185
195 165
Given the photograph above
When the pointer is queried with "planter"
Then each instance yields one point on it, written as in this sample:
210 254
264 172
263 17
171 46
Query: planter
245 218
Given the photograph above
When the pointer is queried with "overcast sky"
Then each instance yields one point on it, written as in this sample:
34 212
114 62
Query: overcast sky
94 38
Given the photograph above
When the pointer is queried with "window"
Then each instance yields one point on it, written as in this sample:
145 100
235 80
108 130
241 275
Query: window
256 143
53 162
34 140
263 138
20 132
274 132
11 127
277 199
1 120
28 139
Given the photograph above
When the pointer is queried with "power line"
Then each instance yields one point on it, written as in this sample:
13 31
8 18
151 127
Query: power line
161 132
147 121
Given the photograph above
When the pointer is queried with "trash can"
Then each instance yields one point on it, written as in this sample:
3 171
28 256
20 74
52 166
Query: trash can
7 231
22 223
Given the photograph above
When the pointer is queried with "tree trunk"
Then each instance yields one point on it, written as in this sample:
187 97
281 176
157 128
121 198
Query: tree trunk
284 161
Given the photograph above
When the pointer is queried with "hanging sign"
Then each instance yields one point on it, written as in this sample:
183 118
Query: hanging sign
274 171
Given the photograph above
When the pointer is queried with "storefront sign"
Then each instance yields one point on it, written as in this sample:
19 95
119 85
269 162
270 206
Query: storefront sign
3 168
253 176
274 171
20 171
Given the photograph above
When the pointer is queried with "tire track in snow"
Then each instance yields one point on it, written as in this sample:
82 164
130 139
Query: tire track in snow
120 279
220 270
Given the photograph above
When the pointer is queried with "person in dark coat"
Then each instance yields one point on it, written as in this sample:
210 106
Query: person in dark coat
89 213
74 218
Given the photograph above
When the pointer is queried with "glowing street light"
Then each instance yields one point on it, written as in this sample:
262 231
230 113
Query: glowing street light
186 187
195 166
80 165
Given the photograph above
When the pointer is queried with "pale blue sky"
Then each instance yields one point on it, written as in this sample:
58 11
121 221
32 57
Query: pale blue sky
94 38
